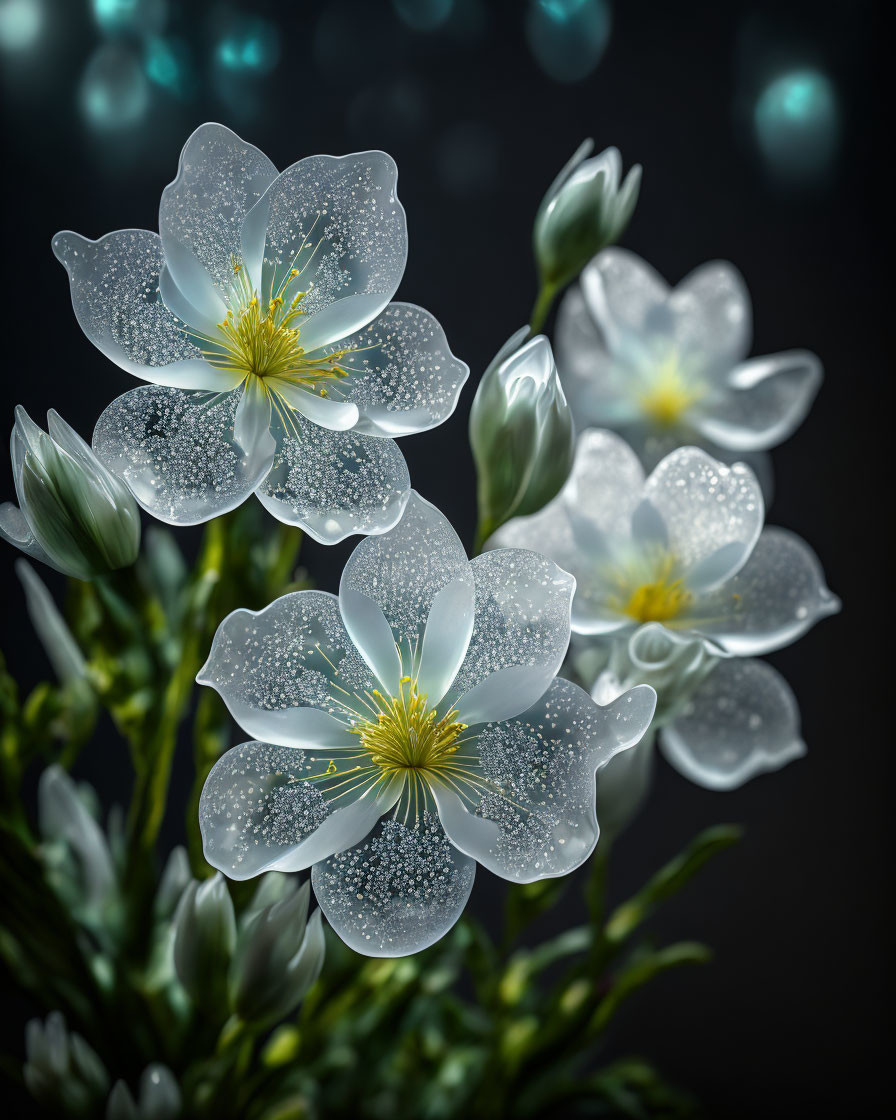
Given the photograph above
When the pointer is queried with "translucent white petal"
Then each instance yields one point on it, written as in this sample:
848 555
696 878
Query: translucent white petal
403 377
523 603
775 597
338 416
713 513
766 399
333 484
372 636
622 787
625 295
397 892
535 784
742 721
252 422
403 571
116 297
446 638
177 453
605 486
15 530
219 179
713 317
593 380
339 222
270 808
289 673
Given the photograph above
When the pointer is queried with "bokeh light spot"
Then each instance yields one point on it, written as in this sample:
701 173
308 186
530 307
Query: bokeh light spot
137 17
568 37
248 45
114 91
21 22
169 64
423 15
797 124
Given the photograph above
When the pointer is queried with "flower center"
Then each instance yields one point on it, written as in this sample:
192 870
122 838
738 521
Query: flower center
408 735
670 394
657 602
263 341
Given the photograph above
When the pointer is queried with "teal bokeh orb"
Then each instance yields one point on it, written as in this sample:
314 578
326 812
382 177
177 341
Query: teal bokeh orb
21 23
568 37
248 45
797 124
114 91
136 17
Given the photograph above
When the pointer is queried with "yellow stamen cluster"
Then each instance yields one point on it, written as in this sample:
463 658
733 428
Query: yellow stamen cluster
670 395
657 602
264 341
406 735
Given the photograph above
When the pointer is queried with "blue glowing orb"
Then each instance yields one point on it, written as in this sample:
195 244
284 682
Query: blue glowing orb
423 15
21 22
168 63
797 124
568 37
137 17
114 91
249 45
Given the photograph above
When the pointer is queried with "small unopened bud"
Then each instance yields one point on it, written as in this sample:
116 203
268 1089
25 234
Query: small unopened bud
159 1097
73 514
62 1072
585 209
204 939
521 432
279 956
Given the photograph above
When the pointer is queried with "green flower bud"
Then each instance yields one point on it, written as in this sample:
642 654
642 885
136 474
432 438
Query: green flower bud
159 1097
61 1071
279 956
204 940
74 514
585 210
521 432
74 848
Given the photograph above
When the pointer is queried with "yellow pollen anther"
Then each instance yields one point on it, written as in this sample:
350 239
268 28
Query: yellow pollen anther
408 735
670 395
658 602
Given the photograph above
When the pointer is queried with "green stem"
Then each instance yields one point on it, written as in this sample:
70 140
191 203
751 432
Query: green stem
547 293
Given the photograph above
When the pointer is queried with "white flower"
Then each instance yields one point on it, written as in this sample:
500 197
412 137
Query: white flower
667 367
676 582
685 547
406 728
73 514
261 316
720 720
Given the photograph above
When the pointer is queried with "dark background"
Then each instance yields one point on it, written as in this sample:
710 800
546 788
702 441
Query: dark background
792 1018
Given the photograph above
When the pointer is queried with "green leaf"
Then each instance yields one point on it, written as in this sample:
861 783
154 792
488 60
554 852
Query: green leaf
669 880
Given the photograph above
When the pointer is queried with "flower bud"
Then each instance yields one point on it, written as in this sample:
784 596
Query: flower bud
74 848
521 432
61 1071
278 958
159 1097
204 939
585 210
74 514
